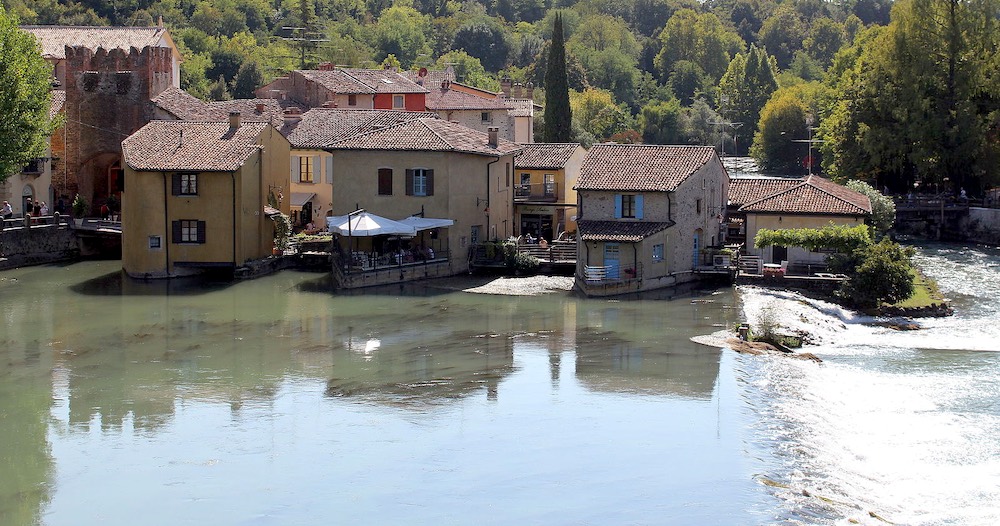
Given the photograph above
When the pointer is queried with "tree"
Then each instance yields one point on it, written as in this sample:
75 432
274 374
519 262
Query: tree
688 81
782 120
783 34
881 273
486 40
746 87
883 208
597 113
558 114
24 98
699 38
401 31
248 79
660 122
920 104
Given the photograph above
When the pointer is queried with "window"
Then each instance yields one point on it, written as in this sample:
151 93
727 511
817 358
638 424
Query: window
487 116
398 102
550 185
185 184
352 99
420 181
306 168
658 253
628 205
154 242
385 181
697 206
507 173
189 231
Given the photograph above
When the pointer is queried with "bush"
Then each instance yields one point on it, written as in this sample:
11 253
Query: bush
80 206
881 274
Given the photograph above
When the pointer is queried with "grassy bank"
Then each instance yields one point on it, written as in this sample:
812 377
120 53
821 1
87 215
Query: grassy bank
925 293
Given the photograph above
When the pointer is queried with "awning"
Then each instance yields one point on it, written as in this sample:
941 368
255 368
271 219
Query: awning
299 199
426 223
365 224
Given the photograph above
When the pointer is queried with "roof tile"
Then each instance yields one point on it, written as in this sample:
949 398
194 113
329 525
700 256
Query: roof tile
427 134
814 195
321 127
54 39
641 167
620 231
189 145
545 156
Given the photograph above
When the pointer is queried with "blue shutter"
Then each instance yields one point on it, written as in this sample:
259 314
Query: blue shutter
638 206
329 169
293 169
618 206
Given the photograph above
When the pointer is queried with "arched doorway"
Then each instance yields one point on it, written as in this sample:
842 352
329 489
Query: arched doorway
99 178
27 199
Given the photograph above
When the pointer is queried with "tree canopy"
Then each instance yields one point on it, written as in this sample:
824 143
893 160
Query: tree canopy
24 98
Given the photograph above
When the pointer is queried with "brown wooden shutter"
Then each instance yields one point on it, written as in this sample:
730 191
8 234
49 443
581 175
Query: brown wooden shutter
430 181
176 227
201 231
409 181
384 181
175 185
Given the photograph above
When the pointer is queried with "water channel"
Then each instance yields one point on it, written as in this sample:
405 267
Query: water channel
278 401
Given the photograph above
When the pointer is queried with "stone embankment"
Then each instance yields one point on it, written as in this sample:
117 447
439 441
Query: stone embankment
40 244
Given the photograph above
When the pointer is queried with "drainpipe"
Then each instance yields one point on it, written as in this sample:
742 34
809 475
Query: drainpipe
233 174
166 224
494 161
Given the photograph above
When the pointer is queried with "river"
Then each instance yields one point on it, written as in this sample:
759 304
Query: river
278 401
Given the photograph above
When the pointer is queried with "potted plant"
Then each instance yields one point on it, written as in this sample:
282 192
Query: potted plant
80 207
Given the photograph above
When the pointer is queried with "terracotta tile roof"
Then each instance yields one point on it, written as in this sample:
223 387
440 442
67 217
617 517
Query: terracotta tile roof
271 111
545 156
522 107
362 81
182 104
385 80
814 195
187 107
427 134
54 39
56 105
743 190
190 145
442 99
321 127
641 167
623 231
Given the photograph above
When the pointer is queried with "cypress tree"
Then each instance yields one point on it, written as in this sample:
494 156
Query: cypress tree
558 115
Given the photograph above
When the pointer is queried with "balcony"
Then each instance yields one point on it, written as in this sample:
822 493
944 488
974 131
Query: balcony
547 192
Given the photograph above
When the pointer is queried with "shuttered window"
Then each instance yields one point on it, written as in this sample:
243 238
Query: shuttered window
188 231
184 183
420 182
306 167
385 181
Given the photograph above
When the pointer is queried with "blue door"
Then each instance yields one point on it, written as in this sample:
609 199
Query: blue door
611 261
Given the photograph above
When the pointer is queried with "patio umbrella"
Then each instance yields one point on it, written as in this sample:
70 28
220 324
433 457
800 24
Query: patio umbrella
426 223
365 224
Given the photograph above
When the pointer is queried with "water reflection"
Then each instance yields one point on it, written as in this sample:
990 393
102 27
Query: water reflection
97 355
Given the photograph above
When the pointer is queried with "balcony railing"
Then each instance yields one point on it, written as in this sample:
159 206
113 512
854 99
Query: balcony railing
539 191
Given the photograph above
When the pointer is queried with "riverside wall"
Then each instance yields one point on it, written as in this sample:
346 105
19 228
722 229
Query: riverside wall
37 245
982 225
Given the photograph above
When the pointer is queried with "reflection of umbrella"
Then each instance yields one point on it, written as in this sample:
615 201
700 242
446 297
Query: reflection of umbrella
365 224
426 223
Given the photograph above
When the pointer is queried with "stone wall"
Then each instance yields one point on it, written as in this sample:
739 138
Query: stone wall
37 245
982 225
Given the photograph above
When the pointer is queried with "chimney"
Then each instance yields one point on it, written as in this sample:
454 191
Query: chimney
326 66
494 133
260 107
530 88
159 21
505 84
292 115
517 90
234 119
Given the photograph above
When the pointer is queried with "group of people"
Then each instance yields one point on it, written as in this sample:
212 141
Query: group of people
36 209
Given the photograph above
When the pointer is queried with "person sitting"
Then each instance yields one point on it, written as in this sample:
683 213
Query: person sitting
542 243
529 239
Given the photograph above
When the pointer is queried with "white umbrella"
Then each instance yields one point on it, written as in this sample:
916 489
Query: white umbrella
365 224
426 223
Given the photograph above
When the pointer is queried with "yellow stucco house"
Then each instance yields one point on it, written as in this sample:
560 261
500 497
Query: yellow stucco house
195 194
428 166
776 204
544 196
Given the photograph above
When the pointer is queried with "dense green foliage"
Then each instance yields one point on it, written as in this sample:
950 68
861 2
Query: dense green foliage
879 273
24 98
883 207
842 238
558 114
910 93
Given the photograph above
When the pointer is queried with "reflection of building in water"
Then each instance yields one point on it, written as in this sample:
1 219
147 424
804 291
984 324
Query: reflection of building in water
616 352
